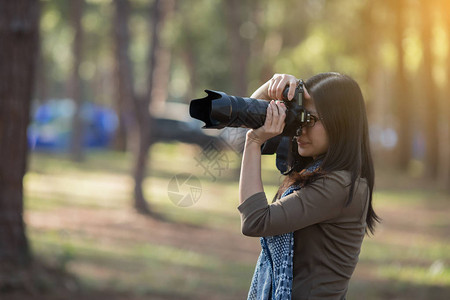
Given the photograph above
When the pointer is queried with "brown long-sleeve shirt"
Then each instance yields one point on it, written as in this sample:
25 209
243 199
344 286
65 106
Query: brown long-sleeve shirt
327 234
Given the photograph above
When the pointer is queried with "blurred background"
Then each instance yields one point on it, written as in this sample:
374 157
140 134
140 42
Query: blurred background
108 189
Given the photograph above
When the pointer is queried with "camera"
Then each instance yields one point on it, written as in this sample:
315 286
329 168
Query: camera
219 110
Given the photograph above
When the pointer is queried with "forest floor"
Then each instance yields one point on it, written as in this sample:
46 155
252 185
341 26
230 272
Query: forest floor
89 243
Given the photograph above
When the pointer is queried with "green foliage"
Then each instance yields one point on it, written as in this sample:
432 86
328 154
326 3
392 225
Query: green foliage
299 37
281 34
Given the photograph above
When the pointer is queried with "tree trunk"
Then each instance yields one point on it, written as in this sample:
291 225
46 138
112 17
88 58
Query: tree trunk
140 154
445 150
158 13
160 86
143 116
41 79
141 129
369 50
19 36
188 57
77 123
239 47
402 98
125 95
369 45
429 103
130 107
120 137
161 69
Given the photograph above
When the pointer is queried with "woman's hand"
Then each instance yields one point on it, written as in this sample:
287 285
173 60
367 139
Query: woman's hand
278 83
273 126
273 89
250 181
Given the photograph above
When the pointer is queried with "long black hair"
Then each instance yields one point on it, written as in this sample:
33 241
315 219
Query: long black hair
340 104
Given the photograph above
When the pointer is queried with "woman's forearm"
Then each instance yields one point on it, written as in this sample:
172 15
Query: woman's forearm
261 92
250 181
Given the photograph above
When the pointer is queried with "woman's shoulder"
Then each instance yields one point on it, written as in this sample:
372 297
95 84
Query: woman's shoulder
341 178
335 186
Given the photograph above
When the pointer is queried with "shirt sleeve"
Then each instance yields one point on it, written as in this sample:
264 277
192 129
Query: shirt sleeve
317 202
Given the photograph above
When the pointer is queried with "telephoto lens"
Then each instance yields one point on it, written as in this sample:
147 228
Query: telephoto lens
219 110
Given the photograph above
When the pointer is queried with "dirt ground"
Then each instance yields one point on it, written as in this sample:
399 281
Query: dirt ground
426 222
126 226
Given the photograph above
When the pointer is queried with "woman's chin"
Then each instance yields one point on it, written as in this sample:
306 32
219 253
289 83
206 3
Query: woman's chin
303 152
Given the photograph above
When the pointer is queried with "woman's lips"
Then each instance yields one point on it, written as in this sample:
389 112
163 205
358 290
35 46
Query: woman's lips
302 143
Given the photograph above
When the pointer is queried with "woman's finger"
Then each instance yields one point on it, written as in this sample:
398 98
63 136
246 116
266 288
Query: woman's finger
278 119
269 115
269 89
275 117
273 86
292 87
277 85
275 109
282 116
280 88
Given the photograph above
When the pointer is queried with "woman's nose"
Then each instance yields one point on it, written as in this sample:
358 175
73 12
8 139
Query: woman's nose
301 130
304 129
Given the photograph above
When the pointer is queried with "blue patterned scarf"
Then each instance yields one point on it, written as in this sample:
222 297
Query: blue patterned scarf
274 270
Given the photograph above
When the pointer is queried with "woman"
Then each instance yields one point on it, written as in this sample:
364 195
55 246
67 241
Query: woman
311 234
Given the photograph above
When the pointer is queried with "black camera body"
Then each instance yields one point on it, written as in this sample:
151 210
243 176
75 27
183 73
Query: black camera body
219 110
